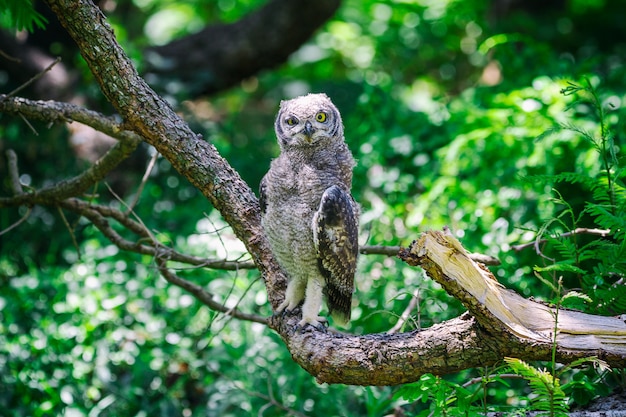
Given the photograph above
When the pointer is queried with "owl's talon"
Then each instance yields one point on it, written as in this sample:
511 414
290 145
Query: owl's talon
309 327
307 324
286 312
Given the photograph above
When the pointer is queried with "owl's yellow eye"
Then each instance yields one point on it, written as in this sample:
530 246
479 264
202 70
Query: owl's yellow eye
291 121
320 117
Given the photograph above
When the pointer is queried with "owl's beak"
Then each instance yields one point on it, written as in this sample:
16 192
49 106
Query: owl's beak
308 131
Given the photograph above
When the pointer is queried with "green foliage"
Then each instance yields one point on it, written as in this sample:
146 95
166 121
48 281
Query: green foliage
442 108
548 394
20 15
445 398
594 263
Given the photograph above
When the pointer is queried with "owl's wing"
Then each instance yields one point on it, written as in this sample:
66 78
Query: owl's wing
335 233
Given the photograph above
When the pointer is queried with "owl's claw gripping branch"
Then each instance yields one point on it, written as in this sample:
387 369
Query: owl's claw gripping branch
305 327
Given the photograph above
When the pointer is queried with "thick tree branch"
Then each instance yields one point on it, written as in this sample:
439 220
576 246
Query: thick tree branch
502 311
503 324
389 359
57 112
151 117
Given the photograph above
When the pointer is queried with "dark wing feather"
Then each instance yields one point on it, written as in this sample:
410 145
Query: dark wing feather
335 231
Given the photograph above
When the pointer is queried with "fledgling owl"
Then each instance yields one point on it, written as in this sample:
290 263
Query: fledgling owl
308 214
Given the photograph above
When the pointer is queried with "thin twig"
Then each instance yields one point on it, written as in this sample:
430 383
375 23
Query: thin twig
578 231
484 259
33 79
202 295
142 229
144 180
272 401
406 314
393 251
17 223
479 379
9 57
271 398
379 250
29 124
97 214
70 230
79 184
161 255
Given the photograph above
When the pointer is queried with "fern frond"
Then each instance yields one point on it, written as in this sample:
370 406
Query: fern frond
20 15
576 295
616 222
593 360
569 177
565 247
549 394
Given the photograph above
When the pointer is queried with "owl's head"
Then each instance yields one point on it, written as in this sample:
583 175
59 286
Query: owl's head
306 121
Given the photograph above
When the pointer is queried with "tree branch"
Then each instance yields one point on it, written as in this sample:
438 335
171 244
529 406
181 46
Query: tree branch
406 314
151 117
77 185
394 250
578 231
50 111
35 78
502 311
58 112
202 295
503 324
96 214
146 245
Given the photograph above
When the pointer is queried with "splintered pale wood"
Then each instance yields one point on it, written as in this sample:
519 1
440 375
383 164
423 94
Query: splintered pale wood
445 260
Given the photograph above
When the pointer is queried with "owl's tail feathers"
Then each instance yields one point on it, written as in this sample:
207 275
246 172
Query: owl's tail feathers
339 304
340 317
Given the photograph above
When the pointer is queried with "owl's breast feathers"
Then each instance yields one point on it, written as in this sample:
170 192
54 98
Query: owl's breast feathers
335 234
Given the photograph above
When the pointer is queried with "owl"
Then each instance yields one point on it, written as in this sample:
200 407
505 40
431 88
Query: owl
308 213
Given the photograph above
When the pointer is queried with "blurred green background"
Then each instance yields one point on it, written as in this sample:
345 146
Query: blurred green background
445 105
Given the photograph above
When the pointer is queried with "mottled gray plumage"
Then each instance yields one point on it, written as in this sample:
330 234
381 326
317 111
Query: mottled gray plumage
308 214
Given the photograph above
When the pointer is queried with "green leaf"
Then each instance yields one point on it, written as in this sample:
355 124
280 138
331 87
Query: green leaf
576 295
